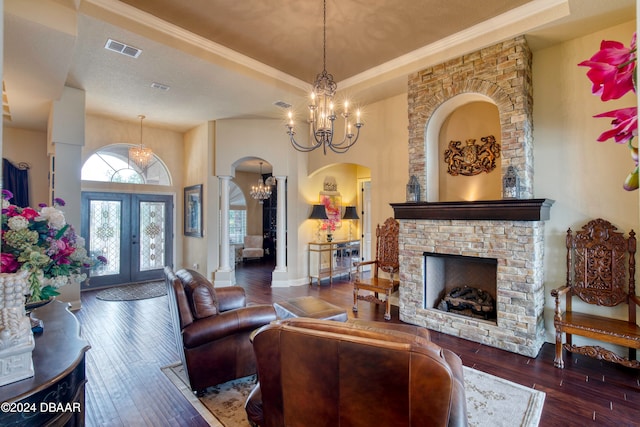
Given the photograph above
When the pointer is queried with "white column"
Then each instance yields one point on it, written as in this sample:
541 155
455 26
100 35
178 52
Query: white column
281 225
224 223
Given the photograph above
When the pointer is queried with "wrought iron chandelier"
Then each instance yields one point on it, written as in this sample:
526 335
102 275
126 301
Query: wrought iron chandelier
261 191
321 111
141 155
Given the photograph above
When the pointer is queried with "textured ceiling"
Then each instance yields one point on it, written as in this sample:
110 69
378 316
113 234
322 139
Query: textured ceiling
228 59
361 34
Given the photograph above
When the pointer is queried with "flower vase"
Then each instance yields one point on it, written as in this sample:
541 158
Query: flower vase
329 237
16 337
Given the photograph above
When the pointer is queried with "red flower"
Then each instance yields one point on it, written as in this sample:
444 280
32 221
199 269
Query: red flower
12 210
612 69
8 263
64 251
29 213
625 124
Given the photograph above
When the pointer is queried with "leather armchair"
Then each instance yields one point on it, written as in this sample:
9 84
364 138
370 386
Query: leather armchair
319 373
212 328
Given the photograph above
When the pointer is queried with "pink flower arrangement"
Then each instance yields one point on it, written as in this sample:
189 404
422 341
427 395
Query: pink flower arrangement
42 243
333 213
612 71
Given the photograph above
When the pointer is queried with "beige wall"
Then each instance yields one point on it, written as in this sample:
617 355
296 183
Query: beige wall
238 140
31 147
583 176
346 177
470 121
245 180
194 170
382 150
166 144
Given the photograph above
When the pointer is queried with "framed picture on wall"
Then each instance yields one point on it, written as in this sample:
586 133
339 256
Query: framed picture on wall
193 211
333 205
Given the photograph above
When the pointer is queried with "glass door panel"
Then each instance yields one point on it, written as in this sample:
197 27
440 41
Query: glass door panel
133 231
105 220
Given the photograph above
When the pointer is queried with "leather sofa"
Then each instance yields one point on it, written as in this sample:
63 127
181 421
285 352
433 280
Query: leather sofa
212 328
323 373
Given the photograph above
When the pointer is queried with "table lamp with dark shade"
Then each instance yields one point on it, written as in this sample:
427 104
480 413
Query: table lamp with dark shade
350 213
319 213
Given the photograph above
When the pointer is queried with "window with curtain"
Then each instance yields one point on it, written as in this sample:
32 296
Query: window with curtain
237 214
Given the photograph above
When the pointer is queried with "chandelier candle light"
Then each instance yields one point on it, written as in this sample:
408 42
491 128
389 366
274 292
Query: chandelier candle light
261 191
141 155
322 114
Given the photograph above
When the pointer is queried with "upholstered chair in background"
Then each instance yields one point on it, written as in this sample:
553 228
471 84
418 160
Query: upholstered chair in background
253 247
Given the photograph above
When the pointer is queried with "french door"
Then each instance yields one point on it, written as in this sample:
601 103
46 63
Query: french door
134 232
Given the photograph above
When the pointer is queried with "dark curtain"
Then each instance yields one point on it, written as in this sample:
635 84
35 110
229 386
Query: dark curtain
16 180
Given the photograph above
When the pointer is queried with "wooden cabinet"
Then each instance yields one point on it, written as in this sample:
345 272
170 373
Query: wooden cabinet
54 396
330 259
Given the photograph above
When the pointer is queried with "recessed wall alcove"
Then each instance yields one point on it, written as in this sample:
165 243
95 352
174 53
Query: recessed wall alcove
470 121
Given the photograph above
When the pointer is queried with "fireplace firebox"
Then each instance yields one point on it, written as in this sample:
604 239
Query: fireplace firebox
461 284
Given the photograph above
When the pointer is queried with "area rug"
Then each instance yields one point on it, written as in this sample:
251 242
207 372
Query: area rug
491 401
134 291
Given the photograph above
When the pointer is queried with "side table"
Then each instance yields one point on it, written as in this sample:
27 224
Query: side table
54 396
330 259
312 307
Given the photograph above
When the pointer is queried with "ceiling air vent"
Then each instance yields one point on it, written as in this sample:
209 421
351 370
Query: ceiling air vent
282 104
122 48
160 86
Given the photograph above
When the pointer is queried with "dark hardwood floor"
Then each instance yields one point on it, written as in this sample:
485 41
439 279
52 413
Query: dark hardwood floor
131 341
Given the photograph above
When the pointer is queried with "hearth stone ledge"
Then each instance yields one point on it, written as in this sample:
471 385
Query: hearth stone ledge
496 231
493 210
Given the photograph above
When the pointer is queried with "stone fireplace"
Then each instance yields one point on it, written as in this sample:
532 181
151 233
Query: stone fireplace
510 231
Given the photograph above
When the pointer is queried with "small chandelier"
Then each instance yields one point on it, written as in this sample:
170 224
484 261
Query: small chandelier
260 191
321 112
141 155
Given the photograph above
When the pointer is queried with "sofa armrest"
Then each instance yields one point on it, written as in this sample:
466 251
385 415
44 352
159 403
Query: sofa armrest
231 298
458 412
227 323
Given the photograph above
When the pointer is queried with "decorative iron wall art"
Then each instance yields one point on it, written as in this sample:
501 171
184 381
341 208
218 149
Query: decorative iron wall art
473 158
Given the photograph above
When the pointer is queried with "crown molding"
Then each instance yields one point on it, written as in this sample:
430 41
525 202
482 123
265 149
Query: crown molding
145 19
510 24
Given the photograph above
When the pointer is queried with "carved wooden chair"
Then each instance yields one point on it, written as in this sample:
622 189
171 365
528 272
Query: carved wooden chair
387 262
597 260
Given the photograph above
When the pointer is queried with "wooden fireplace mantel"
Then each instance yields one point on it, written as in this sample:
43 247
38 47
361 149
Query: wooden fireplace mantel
506 209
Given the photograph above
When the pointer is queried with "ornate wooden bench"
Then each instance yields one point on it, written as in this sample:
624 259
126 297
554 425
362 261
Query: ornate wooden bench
597 274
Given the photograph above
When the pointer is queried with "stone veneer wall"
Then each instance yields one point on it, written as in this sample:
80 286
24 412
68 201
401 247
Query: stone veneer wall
503 74
517 245
500 74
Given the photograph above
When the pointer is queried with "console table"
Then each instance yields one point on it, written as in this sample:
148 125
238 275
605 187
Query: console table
54 396
329 259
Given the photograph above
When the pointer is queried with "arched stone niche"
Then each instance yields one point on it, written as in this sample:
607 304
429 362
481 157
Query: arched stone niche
500 74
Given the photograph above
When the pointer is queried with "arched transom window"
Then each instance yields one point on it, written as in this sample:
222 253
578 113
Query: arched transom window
111 164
